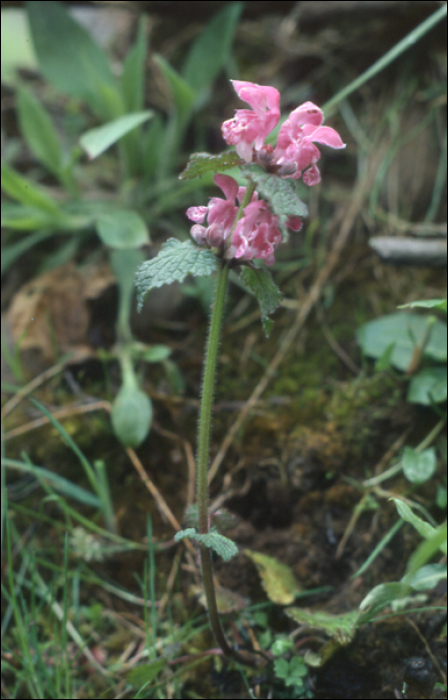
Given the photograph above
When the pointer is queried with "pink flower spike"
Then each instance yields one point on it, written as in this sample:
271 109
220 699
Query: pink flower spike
248 129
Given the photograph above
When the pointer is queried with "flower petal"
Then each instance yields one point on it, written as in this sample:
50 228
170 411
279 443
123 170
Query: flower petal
227 184
197 214
307 113
259 97
327 136
311 176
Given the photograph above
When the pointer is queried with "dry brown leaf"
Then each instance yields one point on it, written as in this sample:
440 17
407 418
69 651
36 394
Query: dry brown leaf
51 312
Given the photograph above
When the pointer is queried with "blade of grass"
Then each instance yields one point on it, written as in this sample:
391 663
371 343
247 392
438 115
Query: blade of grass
379 548
4 493
388 58
22 625
71 60
103 495
63 486
151 626
85 522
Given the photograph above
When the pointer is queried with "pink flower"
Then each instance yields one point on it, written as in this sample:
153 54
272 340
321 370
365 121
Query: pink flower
295 154
220 214
257 233
248 129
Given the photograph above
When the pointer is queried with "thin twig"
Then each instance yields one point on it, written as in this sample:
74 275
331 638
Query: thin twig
65 412
428 649
28 388
333 343
162 505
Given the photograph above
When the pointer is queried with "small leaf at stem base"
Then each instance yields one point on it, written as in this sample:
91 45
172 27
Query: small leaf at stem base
220 544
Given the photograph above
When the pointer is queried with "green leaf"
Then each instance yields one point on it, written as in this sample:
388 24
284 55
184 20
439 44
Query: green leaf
278 580
182 93
23 218
183 97
69 58
281 668
210 52
152 148
298 666
423 528
405 331
39 131
133 75
131 416
426 577
428 304
188 532
262 285
96 141
122 229
174 376
342 627
17 47
281 646
10 253
419 467
25 191
145 674
202 163
384 595
123 263
428 386
224 547
58 483
150 353
427 550
174 262
291 672
383 363
281 194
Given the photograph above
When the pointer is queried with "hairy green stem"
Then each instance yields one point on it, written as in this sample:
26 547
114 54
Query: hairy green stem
208 383
205 419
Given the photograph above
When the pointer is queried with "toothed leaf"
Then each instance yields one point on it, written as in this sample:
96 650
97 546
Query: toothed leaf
202 163
224 547
174 262
268 295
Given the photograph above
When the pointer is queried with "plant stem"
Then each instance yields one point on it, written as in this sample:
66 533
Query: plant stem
208 382
205 420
